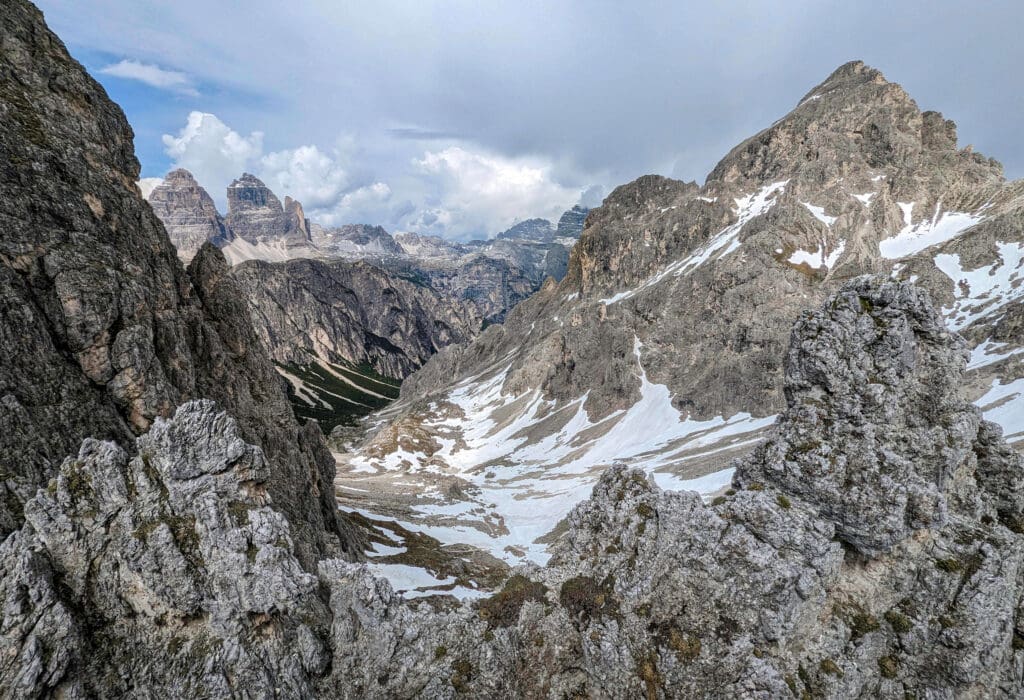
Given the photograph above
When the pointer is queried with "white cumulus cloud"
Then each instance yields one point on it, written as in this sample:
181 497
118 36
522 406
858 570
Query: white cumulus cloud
148 184
307 174
214 152
481 193
456 192
152 75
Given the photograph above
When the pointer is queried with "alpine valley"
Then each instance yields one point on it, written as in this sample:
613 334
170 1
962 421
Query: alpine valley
755 438
348 312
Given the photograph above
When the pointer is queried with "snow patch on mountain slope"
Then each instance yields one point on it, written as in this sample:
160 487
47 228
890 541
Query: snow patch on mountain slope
819 214
528 461
718 246
1004 404
913 238
818 259
989 352
982 292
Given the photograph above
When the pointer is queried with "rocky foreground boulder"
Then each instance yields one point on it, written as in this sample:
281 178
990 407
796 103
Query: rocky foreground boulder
871 547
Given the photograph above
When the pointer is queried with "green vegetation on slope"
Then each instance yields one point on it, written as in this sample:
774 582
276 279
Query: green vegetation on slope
335 394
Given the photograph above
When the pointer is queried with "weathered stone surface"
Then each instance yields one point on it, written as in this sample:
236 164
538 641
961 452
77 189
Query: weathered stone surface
167 573
350 311
254 211
570 224
191 585
188 214
355 240
875 428
537 230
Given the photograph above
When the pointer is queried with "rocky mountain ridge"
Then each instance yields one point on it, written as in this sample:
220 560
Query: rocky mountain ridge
675 313
870 546
491 275
765 592
344 334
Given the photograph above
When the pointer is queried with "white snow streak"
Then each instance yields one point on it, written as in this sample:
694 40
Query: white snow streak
913 238
719 245
982 292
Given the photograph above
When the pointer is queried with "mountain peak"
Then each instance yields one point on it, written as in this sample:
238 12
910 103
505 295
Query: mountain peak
849 74
180 176
247 180
854 121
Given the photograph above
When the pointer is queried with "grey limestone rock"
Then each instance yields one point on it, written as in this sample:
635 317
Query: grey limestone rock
350 311
188 213
172 572
254 211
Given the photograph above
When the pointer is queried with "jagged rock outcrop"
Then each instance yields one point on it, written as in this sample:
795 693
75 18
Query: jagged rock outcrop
875 429
188 214
776 589
101 328
354 312
536 230
355 240
768 591
168 573
297 228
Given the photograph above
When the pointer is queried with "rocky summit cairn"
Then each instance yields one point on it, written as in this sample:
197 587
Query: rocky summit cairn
188 213
171 571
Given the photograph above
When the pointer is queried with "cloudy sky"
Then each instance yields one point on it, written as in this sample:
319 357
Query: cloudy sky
461 118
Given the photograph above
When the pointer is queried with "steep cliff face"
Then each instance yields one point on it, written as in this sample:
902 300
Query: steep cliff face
254 211
351 312
345 334
570 224
172 573
188 214
102 330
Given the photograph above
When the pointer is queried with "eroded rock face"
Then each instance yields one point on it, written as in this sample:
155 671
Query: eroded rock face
570 224
354 312
768 591
166 572
254 211
101 329
875 429
356 240
188 214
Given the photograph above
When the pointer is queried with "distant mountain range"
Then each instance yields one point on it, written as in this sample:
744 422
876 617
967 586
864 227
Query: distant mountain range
356 296
493 275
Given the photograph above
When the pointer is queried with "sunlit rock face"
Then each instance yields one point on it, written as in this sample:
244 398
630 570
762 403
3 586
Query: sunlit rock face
188 213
